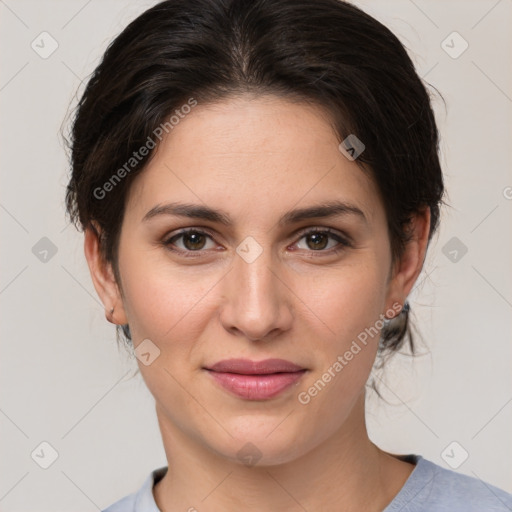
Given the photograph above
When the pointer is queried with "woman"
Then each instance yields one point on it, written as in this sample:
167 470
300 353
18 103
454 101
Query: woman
258 182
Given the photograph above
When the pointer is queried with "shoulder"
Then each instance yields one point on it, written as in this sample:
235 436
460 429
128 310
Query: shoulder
432 487
142 500
126 504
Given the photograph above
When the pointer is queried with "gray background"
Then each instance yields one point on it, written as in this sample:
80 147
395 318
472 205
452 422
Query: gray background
63 380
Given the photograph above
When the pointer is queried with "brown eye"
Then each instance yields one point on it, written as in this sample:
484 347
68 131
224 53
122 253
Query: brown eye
189 241
322 241
317 241
194 241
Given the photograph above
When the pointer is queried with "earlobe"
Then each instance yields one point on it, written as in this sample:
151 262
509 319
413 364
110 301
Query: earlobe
409 266
103 278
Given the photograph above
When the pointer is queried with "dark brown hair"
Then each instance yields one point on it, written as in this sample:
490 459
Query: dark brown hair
325 52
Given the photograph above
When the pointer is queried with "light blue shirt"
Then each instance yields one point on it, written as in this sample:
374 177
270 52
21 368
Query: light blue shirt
429 488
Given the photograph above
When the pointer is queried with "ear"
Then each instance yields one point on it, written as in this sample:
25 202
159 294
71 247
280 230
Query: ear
103 278
407 269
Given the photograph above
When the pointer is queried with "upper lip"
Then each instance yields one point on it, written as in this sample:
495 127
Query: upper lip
248 367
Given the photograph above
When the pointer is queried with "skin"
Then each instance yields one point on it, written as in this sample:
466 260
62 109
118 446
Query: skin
257 158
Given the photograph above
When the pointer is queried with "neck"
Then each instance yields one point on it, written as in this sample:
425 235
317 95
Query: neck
346 470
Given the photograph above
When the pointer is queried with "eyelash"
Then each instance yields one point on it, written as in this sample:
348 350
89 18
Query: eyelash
343 241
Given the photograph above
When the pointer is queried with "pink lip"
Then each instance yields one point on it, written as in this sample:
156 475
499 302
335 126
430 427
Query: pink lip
256 380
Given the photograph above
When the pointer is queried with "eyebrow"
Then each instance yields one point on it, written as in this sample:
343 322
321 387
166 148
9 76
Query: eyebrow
193 211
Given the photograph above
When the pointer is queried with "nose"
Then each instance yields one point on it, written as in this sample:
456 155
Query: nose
258 301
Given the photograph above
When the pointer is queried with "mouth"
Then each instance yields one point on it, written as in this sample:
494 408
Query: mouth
256 380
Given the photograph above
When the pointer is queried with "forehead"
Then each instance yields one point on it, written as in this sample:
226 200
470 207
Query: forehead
252 156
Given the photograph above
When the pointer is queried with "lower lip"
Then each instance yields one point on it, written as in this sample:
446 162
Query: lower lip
256 387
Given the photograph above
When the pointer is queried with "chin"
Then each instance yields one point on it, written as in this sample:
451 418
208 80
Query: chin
263 446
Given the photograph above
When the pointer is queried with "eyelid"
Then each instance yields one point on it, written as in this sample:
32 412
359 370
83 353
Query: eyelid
192 229
185 231
341 238
323 230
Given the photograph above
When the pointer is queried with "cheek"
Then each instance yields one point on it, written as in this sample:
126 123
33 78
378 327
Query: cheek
347 300
160 299
349 305
170 307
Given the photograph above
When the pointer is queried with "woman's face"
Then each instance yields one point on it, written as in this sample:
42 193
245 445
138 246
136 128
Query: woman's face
250 283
